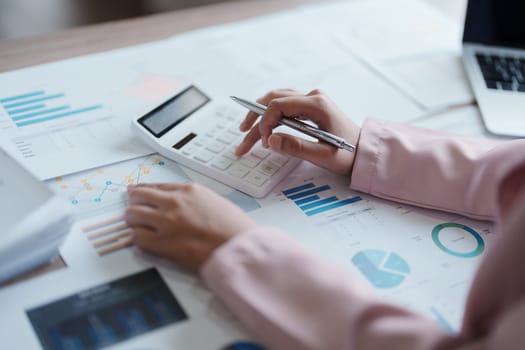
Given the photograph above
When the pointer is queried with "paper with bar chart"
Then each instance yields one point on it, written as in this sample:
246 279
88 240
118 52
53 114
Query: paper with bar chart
55 132
107 314
74 115
421 259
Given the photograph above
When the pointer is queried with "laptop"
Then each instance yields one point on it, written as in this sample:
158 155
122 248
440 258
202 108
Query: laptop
494 59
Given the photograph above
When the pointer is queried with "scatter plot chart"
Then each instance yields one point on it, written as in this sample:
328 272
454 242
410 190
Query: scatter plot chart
97 193
99 190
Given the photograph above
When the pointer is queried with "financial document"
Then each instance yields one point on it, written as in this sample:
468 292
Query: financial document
69 122
420 259
74 115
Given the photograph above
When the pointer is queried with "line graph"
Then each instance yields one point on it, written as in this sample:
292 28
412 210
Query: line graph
95 193
98 190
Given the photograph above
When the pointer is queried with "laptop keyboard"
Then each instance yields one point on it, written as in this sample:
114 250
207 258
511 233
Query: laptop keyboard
502 73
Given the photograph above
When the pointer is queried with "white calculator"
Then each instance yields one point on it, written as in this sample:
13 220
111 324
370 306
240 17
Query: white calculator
192 130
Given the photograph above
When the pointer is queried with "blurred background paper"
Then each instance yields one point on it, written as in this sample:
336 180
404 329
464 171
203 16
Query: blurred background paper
34 220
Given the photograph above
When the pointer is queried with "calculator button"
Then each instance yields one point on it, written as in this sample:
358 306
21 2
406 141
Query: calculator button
260 152
199 141
250 161
268 168
221 110
238 170
221 163
212 132
189 149
256 178
234 132
278 159
215 147
231 113
227 138
203 156
230 153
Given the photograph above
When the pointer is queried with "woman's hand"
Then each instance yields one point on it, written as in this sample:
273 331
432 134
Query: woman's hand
182 222
316 107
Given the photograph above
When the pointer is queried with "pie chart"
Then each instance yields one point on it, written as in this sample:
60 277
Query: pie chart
381 268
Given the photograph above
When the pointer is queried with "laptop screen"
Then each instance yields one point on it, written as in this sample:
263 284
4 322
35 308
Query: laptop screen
495 22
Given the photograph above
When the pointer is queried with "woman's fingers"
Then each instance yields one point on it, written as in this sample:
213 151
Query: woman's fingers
248 141
252 117
143 216
305 107
314 107
278 93
315 152
248 122
149 196
167 186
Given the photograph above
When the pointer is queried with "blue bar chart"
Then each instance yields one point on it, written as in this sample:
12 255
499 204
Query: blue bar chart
313 199
107 314
38 107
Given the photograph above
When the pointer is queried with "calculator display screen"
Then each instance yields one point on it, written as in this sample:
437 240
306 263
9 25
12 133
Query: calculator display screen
176 109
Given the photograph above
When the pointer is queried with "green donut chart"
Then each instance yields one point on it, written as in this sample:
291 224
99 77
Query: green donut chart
480 244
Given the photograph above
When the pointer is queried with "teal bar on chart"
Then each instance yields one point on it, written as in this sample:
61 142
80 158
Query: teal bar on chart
298 189
34 100
26 109
19 97
57 116
309 192
318 203
307 200
42 112
333 206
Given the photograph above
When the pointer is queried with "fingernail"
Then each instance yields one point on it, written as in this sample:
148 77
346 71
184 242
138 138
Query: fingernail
131 187
275 142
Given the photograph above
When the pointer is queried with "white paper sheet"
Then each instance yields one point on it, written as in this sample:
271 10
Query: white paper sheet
408 42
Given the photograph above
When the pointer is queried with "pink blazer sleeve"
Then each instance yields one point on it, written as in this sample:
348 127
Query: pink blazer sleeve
432 169
294 300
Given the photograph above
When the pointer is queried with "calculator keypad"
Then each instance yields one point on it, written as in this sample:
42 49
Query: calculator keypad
216 148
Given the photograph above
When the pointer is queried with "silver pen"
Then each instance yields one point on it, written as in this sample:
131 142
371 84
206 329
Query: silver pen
300 126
